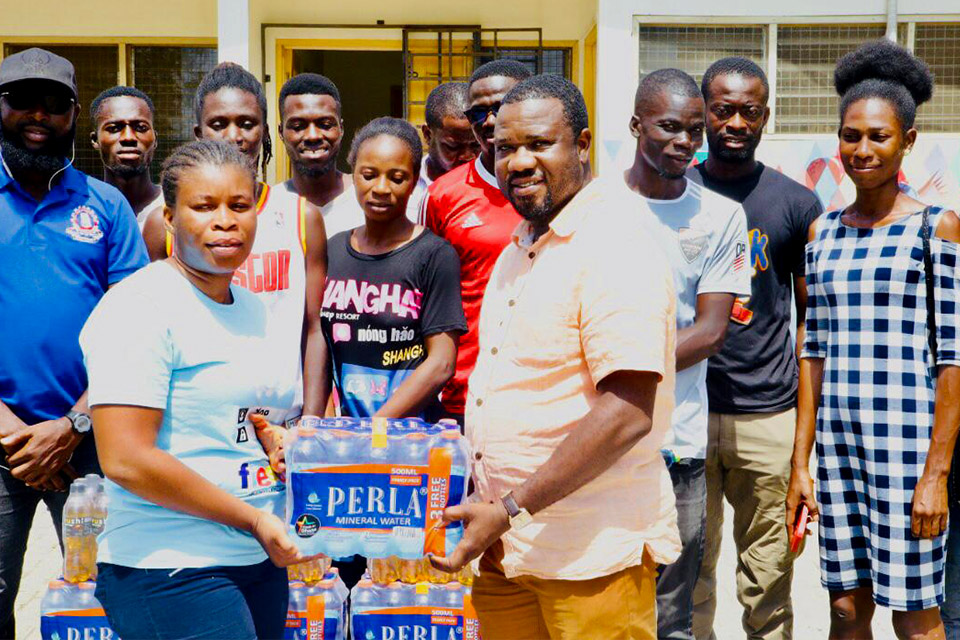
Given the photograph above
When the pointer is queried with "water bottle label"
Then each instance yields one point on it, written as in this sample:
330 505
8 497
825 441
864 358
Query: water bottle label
426 623
86 624
300 626
401 502
74 526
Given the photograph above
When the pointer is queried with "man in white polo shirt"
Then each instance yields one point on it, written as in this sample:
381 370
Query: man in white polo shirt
704 237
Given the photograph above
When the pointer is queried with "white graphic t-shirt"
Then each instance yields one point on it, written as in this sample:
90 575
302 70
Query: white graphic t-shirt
156 341
704 235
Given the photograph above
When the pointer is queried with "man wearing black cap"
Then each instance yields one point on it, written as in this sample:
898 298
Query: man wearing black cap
66 238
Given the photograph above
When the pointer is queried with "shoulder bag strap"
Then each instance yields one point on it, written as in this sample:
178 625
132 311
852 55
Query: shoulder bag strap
929 280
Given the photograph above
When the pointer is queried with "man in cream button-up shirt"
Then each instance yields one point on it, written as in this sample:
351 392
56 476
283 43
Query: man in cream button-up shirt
571 396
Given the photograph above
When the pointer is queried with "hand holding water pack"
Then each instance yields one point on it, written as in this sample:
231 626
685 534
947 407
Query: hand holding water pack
374 487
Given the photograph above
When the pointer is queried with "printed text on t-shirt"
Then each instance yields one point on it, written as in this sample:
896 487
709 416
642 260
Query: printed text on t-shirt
268 271
366 297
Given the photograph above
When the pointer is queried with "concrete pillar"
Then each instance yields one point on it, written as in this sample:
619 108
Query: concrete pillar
618 71
233 31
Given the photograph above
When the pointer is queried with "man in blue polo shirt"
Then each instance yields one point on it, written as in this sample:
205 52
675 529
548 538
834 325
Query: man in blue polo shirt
66 239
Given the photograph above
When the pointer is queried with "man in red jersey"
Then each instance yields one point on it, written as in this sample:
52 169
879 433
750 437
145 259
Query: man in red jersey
466 208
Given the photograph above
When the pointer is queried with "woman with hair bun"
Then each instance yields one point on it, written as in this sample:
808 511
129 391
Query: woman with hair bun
880 372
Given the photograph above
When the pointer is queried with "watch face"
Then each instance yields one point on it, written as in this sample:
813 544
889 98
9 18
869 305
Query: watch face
81 422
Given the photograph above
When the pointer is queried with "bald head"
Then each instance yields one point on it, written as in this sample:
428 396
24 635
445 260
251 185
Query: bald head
670 81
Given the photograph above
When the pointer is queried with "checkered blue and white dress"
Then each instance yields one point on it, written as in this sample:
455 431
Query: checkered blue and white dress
867 318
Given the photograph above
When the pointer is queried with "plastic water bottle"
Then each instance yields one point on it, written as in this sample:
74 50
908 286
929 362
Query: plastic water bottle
383 570
98 503
341 446
296 628
333 573
79 547
421 595
325 611
452 441
54 602
304 451
364 597
414 448
452 596
397 594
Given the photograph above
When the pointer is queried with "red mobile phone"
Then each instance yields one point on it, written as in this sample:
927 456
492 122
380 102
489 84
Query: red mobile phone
799 528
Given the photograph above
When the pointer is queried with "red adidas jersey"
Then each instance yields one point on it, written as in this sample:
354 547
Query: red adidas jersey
465 207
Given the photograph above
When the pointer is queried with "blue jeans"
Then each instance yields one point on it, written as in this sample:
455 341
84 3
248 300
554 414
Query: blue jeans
241 603
676 582
18 504
950 611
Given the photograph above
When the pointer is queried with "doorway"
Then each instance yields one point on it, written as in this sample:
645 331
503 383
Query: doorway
370 85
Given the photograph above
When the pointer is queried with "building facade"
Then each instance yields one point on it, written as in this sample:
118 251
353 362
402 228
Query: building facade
386 56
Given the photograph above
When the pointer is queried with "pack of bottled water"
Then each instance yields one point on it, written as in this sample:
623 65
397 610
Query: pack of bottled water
401 611
71 612
84 514
374 487
317 611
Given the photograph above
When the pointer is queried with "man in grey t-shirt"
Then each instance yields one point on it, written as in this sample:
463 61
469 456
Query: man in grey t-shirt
704 237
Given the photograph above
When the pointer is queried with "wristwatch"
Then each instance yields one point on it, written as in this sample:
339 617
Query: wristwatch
519 518
80 422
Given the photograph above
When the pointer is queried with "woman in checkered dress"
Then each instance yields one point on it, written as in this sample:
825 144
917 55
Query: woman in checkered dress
868 387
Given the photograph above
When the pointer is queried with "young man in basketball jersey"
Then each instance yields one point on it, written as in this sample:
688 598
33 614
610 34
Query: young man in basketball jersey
288 264
311 128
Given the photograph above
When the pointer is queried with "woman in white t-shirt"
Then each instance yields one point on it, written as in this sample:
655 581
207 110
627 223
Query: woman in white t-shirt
179 361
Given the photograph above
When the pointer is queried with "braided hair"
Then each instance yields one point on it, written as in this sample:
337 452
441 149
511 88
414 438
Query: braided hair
217 153
233 76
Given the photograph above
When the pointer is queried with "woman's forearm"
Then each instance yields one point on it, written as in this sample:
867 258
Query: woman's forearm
316 370
423 385
808 401
946 422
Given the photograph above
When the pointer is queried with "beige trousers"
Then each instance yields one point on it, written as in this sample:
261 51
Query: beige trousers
748 462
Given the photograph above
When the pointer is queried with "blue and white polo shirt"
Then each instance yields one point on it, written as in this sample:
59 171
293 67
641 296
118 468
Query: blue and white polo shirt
57 259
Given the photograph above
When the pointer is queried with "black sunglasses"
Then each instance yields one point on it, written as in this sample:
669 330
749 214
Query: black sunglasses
478 114
53 103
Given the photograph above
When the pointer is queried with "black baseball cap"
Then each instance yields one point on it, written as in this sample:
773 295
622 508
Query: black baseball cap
38 64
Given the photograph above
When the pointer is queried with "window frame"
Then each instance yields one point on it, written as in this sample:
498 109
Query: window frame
910 21
124 76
